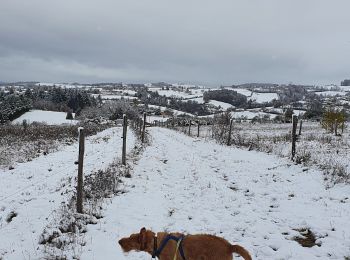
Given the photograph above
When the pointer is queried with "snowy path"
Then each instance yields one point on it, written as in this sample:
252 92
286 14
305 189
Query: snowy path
250 198
35 189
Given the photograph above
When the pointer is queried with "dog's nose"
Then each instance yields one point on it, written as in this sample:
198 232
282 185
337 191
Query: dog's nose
120 241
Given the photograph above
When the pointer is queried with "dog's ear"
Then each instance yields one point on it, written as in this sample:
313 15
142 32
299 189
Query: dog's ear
143 239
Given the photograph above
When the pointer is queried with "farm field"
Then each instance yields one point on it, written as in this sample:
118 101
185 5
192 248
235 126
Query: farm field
47 117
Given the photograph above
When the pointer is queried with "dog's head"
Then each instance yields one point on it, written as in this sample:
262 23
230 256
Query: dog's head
140 241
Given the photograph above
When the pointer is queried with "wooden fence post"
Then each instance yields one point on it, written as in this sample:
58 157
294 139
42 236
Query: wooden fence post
294 136
300 126
144 127
199 124
229 133
212 130
125 127
189 128
80 185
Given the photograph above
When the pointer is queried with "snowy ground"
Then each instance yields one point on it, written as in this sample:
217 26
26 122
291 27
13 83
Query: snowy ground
223 105
48 117
175 112
250 198
35 189
113 97
251 114
331 93
257 96
152 119
263 97
315 147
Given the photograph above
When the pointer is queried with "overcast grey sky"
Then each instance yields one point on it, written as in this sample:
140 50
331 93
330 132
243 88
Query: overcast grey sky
197 41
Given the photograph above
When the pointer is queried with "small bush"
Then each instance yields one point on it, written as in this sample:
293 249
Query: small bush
303 157
332 120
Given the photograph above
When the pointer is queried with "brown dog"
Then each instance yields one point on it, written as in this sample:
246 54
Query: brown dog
191 247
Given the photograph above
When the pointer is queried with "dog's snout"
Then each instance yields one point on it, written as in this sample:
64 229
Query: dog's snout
120 241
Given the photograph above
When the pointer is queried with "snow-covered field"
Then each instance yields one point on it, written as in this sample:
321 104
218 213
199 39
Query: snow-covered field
48 117
331 93
223 105
243 91
332 87
127 92
174 111
250 198
112 97
263 97
64 85
31 192
251 114
315 147
185 184
173 93
152 119
256 96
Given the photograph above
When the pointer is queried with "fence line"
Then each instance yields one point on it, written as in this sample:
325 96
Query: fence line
223 131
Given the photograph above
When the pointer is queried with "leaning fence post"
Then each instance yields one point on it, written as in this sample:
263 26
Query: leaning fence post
80 170
212 130
125 126
294 137
300 126
144 127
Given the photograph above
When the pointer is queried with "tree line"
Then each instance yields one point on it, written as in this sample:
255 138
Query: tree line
13 104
